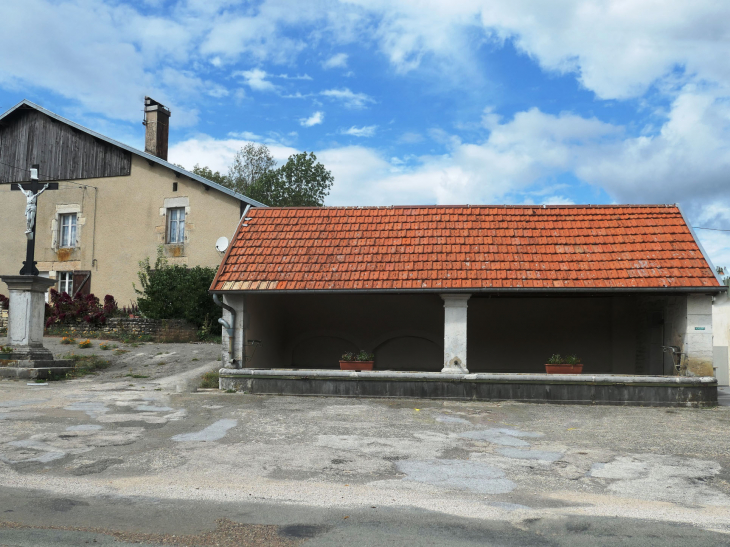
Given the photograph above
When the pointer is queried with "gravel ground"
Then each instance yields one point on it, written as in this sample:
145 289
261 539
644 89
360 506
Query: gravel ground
122 460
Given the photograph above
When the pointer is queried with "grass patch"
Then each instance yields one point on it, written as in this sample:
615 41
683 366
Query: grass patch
108 346
85 365
196 359
120 351
123 337
209 380
130 375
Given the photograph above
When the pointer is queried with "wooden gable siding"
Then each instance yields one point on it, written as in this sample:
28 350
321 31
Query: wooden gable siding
63 152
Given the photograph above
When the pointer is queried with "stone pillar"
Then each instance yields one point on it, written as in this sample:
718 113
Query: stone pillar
233 354
698 340
455 308
26 316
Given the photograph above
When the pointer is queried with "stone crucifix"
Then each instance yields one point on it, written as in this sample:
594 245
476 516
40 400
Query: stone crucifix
31 190
31 207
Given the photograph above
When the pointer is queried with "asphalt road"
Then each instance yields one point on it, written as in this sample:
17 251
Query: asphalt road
118 460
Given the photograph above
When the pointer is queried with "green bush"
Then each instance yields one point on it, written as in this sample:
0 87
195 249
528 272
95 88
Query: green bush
176 292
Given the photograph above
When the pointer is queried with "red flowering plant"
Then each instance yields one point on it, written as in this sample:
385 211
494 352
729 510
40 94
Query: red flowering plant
64 309
4 302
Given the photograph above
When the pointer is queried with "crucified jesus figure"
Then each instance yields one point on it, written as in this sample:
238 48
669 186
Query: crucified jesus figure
31 207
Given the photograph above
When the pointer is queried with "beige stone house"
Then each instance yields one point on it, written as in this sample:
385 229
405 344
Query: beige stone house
114 205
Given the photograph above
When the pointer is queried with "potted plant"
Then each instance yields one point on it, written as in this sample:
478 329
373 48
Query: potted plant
5 353
557 364
357 361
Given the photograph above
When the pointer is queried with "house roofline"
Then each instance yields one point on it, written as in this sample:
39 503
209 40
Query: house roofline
591 291
486 206
145 155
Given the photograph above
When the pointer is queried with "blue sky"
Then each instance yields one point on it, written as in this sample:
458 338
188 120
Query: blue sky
409 102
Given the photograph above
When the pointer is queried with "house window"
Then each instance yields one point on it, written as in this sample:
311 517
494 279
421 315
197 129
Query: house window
67 230
176 225
66 282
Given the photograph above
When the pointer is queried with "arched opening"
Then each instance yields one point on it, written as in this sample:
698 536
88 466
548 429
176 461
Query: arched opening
409 353
321 352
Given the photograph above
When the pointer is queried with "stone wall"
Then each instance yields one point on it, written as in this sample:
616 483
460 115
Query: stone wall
160 330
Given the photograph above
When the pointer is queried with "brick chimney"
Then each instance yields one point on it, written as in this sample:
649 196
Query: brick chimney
157 123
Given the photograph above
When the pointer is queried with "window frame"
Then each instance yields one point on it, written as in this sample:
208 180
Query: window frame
179 226
72 230
65 278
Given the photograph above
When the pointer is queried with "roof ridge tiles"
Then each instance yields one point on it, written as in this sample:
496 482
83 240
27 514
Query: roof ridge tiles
435 247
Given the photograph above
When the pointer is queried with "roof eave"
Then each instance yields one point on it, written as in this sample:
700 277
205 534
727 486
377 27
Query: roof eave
145 155
491 290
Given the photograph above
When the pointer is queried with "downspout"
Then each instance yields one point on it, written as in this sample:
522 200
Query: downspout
230 330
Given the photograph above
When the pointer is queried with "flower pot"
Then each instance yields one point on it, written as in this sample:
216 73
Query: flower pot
564 369
6 356
356 365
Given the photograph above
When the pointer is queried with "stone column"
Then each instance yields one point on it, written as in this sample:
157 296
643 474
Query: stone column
455 307
233 353
26 316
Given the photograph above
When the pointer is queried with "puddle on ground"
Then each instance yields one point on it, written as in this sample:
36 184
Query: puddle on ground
510 506
541 455
41 452
92 409
501 436
153 408
452 420
215 431
461 474
84 427
662 478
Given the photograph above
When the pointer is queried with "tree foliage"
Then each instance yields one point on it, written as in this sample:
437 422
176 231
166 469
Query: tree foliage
301 182
249 164
176 292
215 176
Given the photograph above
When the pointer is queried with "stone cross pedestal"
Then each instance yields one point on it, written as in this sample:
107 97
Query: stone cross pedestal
29 359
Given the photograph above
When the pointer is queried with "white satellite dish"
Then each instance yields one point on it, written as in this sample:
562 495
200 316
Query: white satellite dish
222 244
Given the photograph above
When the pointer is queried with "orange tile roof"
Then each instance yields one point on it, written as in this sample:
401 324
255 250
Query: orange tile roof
483 248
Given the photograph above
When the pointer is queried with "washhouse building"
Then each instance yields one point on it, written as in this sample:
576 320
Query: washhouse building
628 289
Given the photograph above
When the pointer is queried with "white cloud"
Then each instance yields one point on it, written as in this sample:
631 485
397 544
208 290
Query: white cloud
247 135
348 98
218 153
338 60
366 131
315 119
297 77
256 79
616 48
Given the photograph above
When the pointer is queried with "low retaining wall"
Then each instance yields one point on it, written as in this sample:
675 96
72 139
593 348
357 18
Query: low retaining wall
161 330
603 389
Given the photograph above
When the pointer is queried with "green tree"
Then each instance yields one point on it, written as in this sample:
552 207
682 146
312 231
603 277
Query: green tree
176 292
249 164
215 176
301 182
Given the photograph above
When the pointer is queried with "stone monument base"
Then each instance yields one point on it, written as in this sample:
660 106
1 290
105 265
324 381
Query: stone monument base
28 359
51 369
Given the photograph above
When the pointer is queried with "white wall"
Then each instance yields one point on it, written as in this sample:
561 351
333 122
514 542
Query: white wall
721 337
